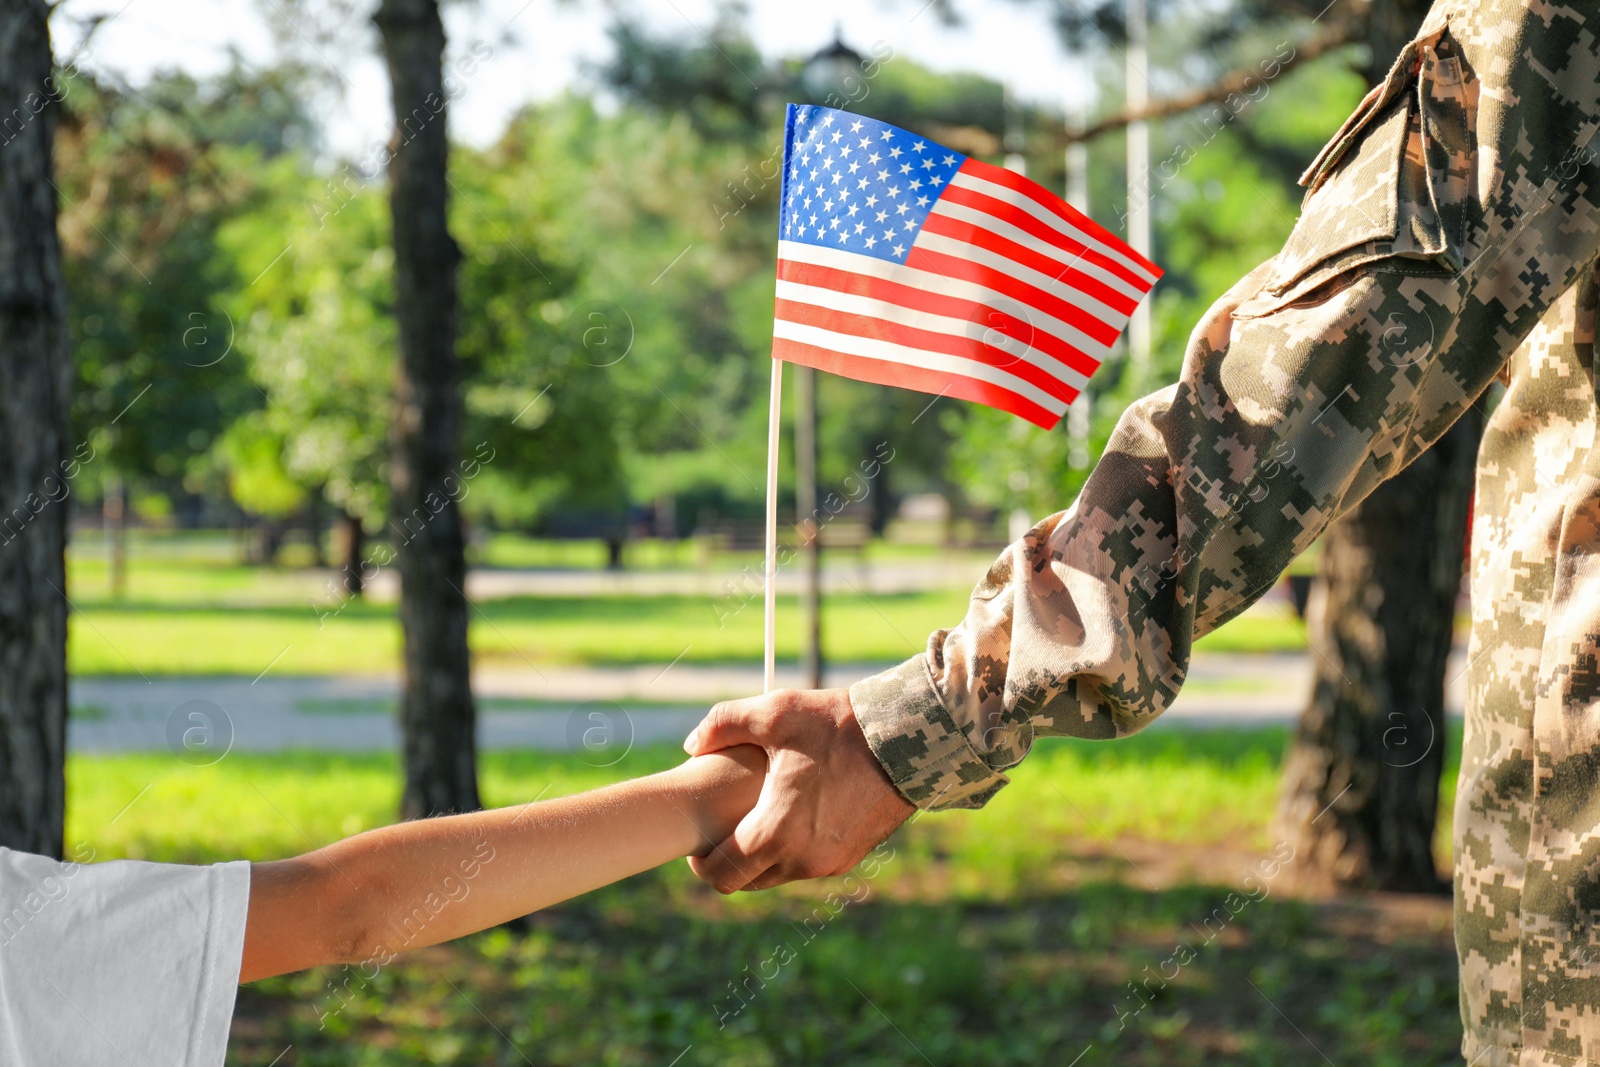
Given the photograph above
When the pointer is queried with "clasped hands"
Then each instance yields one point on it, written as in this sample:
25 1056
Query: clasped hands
826 801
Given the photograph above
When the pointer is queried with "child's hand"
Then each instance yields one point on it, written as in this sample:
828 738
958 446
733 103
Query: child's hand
724 786
344 903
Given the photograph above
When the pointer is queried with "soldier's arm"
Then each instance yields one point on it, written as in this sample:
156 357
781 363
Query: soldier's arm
1395 302
1420 261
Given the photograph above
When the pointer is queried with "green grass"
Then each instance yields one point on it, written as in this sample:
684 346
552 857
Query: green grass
152 638
1190 786
374 706
208 561
1168 784
190 608
1004 936
156 638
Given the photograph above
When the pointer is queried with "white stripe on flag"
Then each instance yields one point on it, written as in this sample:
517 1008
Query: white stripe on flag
1051 219
888 352
1067 260
927 281
851 304
936 242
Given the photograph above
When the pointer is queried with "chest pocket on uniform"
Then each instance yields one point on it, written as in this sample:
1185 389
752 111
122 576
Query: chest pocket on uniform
1390 191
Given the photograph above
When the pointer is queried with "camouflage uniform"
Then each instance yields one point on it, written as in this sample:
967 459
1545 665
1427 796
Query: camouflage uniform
1450 231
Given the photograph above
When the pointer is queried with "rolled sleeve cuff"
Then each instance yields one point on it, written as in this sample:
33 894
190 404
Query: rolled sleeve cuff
920 745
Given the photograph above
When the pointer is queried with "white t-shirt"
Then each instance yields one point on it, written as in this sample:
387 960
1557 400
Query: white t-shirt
126 964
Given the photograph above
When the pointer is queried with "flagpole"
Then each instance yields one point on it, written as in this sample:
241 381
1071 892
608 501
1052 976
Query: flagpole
774 420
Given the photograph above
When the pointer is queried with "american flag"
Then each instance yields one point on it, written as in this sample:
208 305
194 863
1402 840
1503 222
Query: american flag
904 263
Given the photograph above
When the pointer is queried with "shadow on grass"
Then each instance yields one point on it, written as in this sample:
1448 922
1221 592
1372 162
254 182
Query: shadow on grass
657 971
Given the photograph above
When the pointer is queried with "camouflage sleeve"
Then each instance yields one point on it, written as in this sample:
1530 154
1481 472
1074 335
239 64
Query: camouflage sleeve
1437 227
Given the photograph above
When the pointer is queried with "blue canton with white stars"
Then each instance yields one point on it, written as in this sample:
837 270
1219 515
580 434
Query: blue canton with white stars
858 184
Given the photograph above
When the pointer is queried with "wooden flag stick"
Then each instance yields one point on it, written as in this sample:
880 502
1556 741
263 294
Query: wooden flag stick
774 421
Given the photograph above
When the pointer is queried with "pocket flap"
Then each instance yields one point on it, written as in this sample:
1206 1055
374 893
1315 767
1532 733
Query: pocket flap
1399 79
1356 204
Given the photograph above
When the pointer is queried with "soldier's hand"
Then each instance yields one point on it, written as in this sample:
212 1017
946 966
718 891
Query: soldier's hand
826 801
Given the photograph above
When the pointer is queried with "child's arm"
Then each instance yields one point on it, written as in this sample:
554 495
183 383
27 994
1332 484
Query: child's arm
369 897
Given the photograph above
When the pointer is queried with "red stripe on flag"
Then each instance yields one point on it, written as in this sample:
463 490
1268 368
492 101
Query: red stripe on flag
923 340
903 377
1055 205
937 304
971 198
1028 295
1065 273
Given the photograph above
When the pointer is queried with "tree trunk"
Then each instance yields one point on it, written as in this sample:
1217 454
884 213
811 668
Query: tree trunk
114 516
1361 782
352 546
809 527
1360 791
35 379
437 715
314 526
262 544
1390 27
879 500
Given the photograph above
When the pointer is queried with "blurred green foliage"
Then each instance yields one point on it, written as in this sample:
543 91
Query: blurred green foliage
317 333
146 180
232 282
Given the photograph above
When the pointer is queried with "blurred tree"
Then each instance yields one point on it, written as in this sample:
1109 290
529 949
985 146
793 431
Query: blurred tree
720 84
1225 199
703 327
150 177
35 383
1369 748
316 330
438 718
541 364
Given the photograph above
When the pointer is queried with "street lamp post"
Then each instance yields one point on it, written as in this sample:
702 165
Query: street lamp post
1137 96
808 528
1078 197
829 77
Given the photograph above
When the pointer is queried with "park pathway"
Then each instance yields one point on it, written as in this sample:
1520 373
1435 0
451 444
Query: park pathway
595 709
